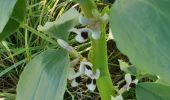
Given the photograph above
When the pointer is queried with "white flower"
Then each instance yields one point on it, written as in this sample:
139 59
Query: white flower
68 48
82 34
86 68
119 97
129 81
94 24
91 84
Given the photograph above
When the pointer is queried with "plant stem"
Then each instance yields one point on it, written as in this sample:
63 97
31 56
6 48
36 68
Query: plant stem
98 54
100 61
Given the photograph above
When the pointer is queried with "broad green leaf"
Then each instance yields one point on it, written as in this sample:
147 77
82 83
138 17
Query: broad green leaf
142 31
152 91
12 13
60 27
6 8
45 77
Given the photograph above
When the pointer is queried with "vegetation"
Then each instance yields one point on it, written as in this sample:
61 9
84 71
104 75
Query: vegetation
84 49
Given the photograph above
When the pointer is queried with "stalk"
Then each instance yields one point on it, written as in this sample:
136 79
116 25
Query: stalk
98 54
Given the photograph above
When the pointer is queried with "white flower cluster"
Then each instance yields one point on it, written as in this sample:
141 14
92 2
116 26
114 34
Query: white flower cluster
85 69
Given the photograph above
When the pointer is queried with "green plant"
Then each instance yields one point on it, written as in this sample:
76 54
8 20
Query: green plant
140 29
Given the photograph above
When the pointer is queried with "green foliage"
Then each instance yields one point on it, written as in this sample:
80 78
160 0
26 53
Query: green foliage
152 91
45 77
141 30
60 27
6 11
12 13
140 27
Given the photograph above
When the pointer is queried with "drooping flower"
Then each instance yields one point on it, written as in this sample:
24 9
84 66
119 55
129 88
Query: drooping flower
68 48
86 69
65 45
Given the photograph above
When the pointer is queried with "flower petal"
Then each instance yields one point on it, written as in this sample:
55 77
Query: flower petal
80 39
75 30
82 34
84 21
83 65
128 78
73 74
95 75
88 72
81 68
92 85
74 83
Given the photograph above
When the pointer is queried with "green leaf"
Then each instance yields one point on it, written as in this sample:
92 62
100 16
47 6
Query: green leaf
152 91
12 13
45 77
6 8
141 30
60 27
